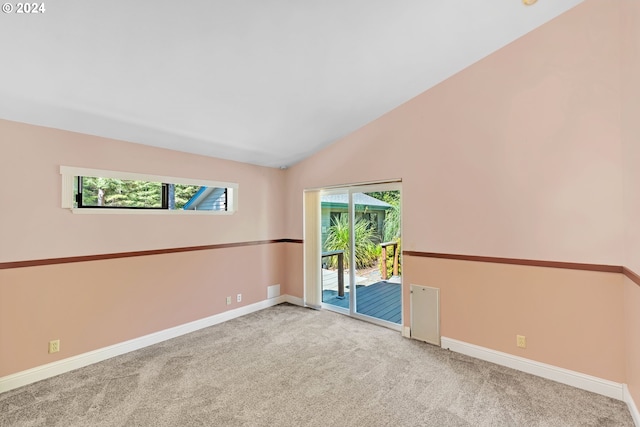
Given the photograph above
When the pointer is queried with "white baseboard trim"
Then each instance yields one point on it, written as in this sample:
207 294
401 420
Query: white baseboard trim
632 406
294 300
561 375
49 370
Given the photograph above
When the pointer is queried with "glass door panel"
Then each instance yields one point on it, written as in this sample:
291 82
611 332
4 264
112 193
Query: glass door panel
335 237
377 271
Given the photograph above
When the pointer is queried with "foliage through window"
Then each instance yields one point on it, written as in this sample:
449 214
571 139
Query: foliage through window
87 190
100 192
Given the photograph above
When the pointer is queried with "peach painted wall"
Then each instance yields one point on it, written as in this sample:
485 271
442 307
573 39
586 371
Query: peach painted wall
571 318
94 304
30 156
516 156
91 305
631 128
630 17
632 338
293 264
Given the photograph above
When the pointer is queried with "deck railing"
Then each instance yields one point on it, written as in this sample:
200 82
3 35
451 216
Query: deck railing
396 254
340 255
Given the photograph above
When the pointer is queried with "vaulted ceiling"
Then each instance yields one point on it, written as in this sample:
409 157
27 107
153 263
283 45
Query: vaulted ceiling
267 82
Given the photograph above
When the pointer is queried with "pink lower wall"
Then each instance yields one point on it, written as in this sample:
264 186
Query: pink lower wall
570 318
632 348
293 265
91 305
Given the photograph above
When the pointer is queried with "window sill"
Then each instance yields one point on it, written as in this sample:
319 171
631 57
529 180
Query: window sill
98 211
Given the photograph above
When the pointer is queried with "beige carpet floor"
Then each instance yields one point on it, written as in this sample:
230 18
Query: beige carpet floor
291 366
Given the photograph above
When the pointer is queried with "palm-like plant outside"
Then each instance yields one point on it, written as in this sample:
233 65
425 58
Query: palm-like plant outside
338 239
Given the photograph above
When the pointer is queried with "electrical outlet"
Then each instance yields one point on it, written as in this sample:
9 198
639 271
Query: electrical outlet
239 298
228 300
521 341
54 346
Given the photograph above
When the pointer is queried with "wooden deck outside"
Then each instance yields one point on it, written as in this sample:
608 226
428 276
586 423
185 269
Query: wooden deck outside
381 300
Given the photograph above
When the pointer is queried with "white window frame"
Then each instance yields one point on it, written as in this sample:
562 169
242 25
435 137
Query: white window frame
69 173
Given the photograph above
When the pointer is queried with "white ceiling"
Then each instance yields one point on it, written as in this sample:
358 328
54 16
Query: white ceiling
267 82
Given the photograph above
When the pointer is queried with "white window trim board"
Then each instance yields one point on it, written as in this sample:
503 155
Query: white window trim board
69 172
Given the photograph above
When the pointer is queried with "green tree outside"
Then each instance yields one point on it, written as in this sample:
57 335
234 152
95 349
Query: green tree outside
97 191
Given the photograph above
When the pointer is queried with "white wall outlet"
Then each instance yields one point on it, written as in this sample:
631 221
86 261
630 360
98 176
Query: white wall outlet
239 298
228 300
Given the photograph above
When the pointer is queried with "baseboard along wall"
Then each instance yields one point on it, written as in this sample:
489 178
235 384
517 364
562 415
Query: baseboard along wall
565 376
635 414
49 370
561 375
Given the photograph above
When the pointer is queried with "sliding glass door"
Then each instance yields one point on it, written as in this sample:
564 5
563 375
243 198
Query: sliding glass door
361 259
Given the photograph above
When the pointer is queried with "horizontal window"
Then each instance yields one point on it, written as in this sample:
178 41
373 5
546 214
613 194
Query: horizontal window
98 190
